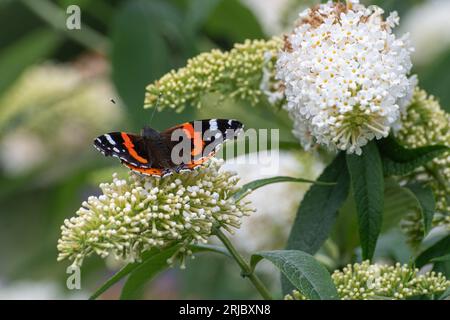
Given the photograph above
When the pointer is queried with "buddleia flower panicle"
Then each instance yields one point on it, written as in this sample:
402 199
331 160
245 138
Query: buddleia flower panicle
426 123
236 74
365 281
345 75
140 213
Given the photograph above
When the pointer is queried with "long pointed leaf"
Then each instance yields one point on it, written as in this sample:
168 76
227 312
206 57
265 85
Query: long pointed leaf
398 160
366 174
141 275
122 273
303 271
318 211
441 259
144 272
263 182
29 49
438 249
445 295
425 200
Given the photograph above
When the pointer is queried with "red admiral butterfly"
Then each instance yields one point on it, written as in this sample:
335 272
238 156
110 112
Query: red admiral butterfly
153 152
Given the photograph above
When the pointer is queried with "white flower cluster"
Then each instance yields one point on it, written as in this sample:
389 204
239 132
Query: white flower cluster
141 213
345 75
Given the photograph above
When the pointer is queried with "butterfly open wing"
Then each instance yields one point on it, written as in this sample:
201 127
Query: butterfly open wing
205 136
152 154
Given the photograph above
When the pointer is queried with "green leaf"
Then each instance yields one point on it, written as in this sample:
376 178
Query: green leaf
126 270
30 49
263 182
445 295
156 263
398 201
148 39
233 20
441 259
443 267
318 211
440 248
392 246
426 204
398 160
113 280
435 78
144 272
345 230
56 17
198 12
303 271
150 255
139 52
368 189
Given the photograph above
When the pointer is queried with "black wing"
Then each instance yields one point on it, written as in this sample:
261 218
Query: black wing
205 136
129 148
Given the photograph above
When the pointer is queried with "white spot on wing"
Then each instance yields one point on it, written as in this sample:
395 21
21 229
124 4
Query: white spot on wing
213 124
110 140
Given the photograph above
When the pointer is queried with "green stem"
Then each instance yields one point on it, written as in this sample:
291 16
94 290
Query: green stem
245 267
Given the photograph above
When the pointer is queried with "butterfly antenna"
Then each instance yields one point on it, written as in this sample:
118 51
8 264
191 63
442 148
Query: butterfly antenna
154 108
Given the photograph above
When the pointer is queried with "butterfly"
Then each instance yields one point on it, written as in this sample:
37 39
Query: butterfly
181 148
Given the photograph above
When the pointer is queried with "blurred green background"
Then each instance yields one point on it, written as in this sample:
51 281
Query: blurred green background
61 88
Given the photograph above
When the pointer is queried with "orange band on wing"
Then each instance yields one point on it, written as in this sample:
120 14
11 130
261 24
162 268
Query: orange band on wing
196 163
149 171
130 147
196 136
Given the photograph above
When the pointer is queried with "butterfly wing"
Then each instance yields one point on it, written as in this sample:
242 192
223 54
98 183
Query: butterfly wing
132 150
152 155
148 171
205 136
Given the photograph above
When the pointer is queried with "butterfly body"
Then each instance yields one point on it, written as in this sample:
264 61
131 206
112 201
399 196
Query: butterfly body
156 153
